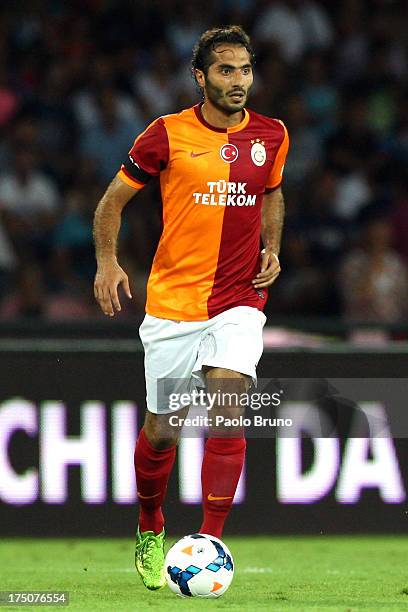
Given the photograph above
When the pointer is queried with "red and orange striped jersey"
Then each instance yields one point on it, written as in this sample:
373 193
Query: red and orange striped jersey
212 182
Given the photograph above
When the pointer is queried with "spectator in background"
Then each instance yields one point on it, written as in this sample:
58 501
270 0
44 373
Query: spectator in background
399 218
351 153
381 96
29 201
301 291
9 100
183 31
306 146
273 74
388 35
30 299
373 278
8 261
319 94
72 254
155 86
325 231
100 77
396 142
351 55
296 25
56 126
237 11
104 142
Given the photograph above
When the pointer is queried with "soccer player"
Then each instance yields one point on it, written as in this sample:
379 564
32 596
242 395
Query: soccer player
220 168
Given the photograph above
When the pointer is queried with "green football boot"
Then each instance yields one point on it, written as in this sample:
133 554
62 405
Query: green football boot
149 559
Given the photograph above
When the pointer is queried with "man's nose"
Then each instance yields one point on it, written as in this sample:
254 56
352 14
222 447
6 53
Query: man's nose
238 79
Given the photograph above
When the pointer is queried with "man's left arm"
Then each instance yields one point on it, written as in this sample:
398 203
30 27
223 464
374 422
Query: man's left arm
273 212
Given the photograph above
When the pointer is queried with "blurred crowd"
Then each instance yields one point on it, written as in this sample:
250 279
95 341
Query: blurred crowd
80 79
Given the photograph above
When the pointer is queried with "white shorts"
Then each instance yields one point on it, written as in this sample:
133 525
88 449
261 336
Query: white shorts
175 351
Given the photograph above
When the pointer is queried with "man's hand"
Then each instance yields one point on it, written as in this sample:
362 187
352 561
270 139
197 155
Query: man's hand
270 268
107 280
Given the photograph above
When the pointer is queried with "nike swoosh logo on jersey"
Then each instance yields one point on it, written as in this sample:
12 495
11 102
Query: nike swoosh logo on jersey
198 154
212 497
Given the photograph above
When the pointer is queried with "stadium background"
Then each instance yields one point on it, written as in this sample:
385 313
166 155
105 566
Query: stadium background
78 81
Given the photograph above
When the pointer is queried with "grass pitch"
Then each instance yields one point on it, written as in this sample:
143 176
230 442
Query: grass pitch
271 573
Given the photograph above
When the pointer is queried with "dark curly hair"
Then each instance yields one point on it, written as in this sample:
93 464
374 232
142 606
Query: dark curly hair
232 34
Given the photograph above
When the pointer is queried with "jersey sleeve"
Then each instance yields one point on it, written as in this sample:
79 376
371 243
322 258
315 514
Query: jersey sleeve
148 156
276 173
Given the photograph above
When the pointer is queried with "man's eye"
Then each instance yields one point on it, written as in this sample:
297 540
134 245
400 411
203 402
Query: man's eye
226 71
246 71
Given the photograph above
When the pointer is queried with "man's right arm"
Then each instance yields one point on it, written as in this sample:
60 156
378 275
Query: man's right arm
106 227
146 159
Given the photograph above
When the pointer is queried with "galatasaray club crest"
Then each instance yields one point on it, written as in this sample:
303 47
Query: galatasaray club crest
229 153
258 152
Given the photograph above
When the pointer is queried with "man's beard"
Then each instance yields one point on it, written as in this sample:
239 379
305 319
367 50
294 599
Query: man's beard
220 100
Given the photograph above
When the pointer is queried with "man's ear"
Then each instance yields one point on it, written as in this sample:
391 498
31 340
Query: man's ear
200 77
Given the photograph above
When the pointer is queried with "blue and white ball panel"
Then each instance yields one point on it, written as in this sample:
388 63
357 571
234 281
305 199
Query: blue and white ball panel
199 565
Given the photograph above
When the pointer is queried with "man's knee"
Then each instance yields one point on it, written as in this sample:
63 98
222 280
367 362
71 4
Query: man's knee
229 379
159 432
228 387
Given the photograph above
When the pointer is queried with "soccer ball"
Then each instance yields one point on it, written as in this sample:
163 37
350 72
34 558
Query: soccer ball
199 565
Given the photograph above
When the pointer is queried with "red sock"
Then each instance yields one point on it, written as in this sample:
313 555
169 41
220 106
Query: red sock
152 468
221 469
